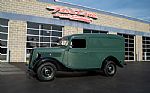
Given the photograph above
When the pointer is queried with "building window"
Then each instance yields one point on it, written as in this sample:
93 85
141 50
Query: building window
42 35
3 39
129 47
146 48
94 31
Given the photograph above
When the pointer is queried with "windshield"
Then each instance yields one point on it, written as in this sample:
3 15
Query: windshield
63 42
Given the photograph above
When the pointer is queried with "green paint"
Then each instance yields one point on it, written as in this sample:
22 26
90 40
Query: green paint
94 49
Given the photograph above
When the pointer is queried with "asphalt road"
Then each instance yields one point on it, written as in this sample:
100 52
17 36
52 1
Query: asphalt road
133 78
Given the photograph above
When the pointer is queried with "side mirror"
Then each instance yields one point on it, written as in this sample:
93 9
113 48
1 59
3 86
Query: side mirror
70 47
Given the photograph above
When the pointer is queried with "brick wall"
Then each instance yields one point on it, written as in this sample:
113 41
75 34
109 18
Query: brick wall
17 40
27 7
17 29
68 30
33 7
111 21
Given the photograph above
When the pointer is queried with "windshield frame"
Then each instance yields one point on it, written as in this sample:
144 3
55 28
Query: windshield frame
65 38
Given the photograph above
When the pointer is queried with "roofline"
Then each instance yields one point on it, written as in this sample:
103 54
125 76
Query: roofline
95 10
44 20
93 35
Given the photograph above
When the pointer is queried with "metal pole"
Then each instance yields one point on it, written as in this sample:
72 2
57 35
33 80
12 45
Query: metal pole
9 57
145 56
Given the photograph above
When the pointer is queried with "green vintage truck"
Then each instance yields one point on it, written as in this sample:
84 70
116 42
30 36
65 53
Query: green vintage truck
79 52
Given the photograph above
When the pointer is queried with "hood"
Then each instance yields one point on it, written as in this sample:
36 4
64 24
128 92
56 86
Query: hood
54 52
44 50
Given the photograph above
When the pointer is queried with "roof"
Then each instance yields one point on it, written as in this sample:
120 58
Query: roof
93 35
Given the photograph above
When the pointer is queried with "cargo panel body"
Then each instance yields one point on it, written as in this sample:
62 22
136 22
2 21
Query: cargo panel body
98 48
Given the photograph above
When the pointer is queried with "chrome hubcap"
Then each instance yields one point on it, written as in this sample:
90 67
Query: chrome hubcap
47 72
111 69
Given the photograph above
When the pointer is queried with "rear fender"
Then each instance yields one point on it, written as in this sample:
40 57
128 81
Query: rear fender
111 58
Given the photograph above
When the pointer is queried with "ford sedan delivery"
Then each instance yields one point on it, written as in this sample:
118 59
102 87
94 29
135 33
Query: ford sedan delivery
79 52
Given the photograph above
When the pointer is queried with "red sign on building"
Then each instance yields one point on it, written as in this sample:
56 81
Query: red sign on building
72 14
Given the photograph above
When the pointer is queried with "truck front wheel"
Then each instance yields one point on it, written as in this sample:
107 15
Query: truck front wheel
46 72
109 68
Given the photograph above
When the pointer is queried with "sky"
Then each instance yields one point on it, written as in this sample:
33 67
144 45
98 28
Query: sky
133 8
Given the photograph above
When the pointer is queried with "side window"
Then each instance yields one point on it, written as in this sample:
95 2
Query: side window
78 43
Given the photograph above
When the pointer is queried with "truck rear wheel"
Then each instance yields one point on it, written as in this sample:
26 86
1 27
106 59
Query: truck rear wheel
109 68
46 72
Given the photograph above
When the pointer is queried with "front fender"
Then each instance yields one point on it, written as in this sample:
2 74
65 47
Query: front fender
54 61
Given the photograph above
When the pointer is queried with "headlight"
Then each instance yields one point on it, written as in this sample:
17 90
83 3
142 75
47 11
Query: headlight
38 55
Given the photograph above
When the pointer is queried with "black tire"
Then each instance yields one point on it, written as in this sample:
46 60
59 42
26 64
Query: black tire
109 68
46 72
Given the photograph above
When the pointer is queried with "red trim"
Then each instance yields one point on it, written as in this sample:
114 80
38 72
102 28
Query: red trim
73 17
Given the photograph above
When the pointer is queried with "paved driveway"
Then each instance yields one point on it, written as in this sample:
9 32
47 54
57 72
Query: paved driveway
133 78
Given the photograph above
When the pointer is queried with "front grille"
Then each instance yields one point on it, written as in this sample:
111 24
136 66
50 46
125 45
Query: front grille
30 58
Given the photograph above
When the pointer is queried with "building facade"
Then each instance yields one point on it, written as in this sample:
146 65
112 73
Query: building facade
26 24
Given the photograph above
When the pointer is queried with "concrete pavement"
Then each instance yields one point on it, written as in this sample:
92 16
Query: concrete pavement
133 78
9 69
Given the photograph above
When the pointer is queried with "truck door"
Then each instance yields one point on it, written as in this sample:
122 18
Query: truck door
77 54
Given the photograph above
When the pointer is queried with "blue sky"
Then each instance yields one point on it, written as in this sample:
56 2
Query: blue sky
134 8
